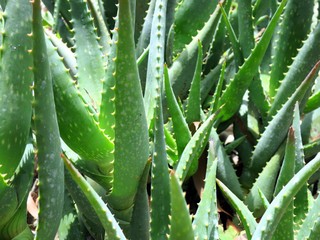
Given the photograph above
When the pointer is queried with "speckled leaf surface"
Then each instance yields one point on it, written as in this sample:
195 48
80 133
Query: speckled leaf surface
131 131
272 216
106 218
77 123
15 82
180 220
50 165
89 57
185 25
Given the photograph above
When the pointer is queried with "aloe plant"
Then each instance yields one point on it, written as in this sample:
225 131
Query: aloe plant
114 115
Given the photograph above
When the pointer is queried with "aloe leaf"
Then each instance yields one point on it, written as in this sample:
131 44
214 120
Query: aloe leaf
311 149
172 152
102 31
180 221
141 12
193 101
233 145
272 216
218 90
207 210
225 170
26 234
313 103
77 124
292 32
315 232
107 220
208 83
284 229
143 55
107 108
242 80
8 204
218 44
131 129
17 223
265 182
57 6
69 227
188 162
264 199
245 25
68 56
140 223
257 98
244 213
300 206
304 62
160 200
185 63
155 57
275 132
85 210
144 41
16 79
88 54
171 10
23 177
308 224
180 126
233 38
50 166
185 25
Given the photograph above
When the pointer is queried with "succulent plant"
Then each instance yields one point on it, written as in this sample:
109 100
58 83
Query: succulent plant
112 111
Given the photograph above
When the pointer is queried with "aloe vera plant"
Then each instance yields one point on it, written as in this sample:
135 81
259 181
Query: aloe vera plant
113 115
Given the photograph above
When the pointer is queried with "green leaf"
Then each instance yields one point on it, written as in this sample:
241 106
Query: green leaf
276 131
225 170
188 162
194 101
292 32
207 210
233 38
107 220
140 223
244 213
265 182
183 67
300 206
89 57
131 129
180 126
16 79
304 62
50 166
155 58
272 216
77 123
180 220
86 211
242 80
284 228
309 222
160 183
313 103
70 227
186 25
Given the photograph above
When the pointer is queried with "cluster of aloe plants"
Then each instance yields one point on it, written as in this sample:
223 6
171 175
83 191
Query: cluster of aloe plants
112 110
